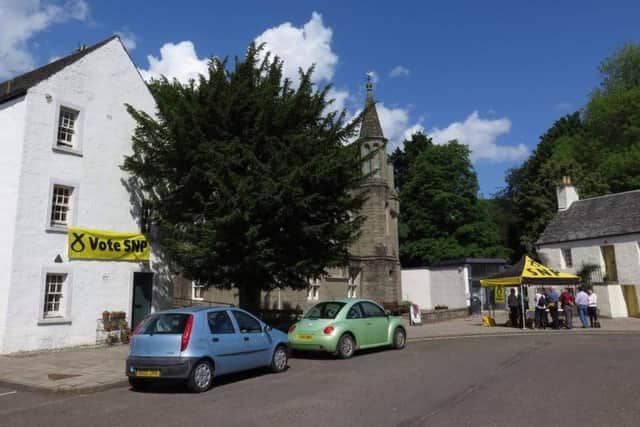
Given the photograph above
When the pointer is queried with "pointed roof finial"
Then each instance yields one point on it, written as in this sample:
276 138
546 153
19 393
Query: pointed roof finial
370 122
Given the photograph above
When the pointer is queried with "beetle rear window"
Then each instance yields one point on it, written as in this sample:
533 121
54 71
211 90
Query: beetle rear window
169 323
324 310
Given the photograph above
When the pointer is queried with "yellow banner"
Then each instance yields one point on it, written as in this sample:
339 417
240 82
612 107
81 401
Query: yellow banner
499 295
85 243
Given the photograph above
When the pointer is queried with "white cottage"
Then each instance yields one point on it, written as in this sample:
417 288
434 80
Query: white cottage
602 231
64 134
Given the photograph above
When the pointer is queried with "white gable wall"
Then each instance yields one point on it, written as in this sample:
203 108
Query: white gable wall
448 286
611 300
11 138
98 85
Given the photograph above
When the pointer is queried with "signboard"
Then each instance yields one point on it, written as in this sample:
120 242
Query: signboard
85 243
416 316
499 295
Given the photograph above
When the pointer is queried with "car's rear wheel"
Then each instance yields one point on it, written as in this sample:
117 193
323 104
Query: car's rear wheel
201 377
138 384
346 347
280 360
399 338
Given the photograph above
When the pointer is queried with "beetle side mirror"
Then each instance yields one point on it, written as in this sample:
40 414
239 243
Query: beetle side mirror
267 328
387 313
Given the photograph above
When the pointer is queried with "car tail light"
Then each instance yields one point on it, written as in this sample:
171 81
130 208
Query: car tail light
292 328
186 335
136 330
328 330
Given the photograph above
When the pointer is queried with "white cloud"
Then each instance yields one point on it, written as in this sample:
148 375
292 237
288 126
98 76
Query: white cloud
178 61
373 76
302 47
128 39
399 71
339 97
480 135
21 20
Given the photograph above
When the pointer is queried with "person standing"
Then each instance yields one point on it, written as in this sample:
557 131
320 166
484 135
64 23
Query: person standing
553 299
540 301
582 301
592 308
512 302
566 298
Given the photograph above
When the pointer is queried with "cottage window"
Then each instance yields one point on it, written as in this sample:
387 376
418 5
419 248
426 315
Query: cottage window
567 258
67 128
54 294
61 206
352 291
313 293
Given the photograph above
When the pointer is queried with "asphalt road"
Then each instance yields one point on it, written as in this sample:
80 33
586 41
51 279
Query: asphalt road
555 379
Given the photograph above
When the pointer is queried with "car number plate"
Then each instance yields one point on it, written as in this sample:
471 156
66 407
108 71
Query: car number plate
305 337
147 373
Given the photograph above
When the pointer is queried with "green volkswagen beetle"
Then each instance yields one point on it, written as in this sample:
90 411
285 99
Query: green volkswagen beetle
342 326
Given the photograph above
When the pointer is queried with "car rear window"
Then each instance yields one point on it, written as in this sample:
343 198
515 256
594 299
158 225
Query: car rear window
324 310
167 323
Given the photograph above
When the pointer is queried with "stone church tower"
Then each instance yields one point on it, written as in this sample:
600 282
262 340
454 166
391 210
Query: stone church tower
375 263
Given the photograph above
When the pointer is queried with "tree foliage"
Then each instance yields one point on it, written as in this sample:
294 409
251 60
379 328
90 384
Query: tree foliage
598 147
249 180
441 216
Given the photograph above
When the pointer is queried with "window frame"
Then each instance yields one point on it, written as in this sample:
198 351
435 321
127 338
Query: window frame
563 254
73 209
235 314
194 286
76 149
234 330
67 293
357 307
364 310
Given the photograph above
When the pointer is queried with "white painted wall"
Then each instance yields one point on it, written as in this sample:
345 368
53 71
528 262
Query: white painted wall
447 286
11 138
611 300
99 84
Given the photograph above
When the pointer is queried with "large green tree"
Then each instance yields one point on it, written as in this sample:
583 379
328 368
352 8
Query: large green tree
598 147
249 180
441 215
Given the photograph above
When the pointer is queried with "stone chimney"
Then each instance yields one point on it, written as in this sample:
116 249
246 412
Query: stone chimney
567 194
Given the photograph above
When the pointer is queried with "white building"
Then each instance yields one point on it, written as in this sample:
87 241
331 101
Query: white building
601 231
65 132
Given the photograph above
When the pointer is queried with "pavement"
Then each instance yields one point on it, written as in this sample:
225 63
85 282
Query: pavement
89 369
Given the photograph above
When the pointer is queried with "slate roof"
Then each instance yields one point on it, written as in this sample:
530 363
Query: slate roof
18 86
610 215
370 122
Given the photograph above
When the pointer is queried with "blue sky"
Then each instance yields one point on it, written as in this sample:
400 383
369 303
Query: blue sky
493 74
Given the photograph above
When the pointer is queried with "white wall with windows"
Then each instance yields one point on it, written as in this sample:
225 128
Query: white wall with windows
59 167
590 251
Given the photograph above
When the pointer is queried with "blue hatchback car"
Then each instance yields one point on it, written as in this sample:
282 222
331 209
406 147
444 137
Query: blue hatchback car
194 344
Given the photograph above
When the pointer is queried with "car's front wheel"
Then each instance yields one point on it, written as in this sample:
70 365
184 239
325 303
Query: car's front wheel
346 347
399 338
201 377
280 359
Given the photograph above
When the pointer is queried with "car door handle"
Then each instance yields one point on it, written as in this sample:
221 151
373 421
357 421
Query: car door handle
368 323
246 338
216 339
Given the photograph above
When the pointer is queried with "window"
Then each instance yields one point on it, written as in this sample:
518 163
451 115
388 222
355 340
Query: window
67 128
54 294
197 291
372 310
246 323
61 206
352 291
168 324
219 322
324 310
355 312
566 257
313 292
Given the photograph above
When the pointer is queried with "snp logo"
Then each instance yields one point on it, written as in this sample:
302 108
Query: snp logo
77 245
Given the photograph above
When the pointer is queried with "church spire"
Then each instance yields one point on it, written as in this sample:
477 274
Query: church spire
370 123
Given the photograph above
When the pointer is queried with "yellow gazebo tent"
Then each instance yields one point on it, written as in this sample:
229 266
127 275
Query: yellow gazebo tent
528 272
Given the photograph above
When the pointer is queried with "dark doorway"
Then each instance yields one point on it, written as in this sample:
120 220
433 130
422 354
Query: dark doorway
142 289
